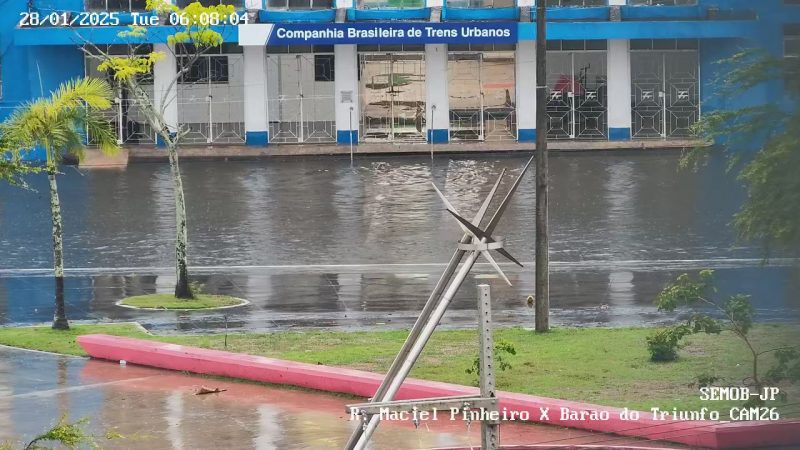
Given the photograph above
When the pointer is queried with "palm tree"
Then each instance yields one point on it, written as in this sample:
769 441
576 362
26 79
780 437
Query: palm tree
59 124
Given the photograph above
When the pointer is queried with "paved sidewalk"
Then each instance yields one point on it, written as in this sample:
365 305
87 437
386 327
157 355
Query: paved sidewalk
147 153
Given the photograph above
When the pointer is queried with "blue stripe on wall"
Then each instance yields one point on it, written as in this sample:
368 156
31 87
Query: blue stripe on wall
438 136
526 135
257 138
345 137
619 134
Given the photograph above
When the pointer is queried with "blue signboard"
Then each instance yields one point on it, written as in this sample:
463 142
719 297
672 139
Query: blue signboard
384 33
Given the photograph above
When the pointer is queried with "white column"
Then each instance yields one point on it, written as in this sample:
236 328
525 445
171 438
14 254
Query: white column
165 89
346 85
254 4
256 122
619 90
525 59
437 99
344 4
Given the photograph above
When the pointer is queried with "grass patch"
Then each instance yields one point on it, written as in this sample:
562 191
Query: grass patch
49 340
168 301
607 366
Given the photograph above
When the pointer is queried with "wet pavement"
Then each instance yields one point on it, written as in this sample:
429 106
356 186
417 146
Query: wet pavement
157 409
313 242
384 297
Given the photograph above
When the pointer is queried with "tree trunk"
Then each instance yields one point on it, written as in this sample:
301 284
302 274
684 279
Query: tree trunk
182 289
542 278
60 316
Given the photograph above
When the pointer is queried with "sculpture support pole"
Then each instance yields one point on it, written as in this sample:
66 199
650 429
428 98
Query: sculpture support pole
542 268
475 242
419 344
432 302
490 430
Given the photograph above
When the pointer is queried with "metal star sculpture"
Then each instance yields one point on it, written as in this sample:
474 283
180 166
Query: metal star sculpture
481 240
474 242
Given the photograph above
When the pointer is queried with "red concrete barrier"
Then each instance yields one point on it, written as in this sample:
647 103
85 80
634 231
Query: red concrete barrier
364 384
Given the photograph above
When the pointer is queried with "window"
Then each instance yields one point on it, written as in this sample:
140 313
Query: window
376 4
300 4
481 47
577 2
481 3
121 49
207 69
324 68
791 41
662 2
391 48
577 45
115 5
285 49
664 44
791 2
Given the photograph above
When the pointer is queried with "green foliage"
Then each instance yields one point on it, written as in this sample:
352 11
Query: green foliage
740 313
502 351
13 170
737 311
705 379
663 345
196 287
69 435
127 68
193 36
787 366
195 31
685 291
58 123
701 323
771 212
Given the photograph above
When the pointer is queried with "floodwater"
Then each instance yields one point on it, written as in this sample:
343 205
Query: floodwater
155 409
314 242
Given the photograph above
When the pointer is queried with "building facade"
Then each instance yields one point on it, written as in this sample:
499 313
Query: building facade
415 71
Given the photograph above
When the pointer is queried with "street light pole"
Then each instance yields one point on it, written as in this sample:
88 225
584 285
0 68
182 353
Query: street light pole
542 278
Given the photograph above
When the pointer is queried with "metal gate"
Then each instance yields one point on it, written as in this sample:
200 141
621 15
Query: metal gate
130 124
393 97
133 128
211 100
482 87
300 92
665 93
577 106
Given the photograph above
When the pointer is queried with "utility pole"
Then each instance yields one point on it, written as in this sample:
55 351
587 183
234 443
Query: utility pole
542 309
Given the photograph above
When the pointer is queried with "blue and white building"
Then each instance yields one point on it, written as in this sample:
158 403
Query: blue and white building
342 71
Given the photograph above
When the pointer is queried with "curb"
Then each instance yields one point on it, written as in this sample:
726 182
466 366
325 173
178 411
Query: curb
716 435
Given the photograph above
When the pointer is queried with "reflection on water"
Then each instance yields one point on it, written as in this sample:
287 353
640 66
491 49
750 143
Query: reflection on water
156 409
610 206
362 247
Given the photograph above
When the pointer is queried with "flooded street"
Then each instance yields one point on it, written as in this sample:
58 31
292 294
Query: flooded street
314 242
155 409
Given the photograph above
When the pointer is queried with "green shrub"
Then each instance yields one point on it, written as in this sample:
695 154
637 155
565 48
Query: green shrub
664 344
502 351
